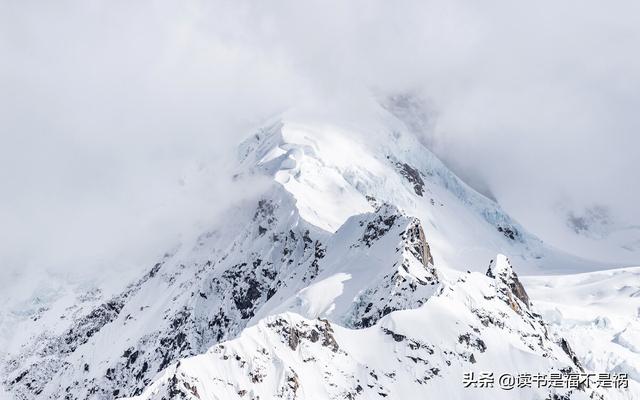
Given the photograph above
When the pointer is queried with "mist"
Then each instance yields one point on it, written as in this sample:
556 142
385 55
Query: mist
118 119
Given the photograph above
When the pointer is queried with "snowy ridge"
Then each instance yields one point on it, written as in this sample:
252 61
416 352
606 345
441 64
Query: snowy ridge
376 263
182 306
359 244
481 325
283 261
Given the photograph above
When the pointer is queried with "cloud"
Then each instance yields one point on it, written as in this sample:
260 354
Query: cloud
107 109
106 105
542 114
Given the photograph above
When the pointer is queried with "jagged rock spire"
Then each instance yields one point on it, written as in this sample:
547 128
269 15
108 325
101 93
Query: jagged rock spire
502 270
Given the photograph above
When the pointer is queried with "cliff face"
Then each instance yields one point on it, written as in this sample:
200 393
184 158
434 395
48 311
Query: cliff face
501 270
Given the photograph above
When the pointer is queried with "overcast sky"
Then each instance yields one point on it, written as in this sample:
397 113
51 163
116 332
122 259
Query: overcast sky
106 107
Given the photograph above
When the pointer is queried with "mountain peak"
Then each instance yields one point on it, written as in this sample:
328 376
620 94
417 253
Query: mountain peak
360 226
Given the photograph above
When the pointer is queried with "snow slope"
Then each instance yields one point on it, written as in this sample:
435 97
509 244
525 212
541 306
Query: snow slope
598 312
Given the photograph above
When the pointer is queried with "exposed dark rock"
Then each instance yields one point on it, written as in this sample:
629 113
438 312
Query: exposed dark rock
473 342
509 277
413 176
509 231
379 226
414 235
294 340
396 336
564 344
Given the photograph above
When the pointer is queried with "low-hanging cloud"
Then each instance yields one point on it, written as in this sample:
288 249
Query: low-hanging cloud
106 105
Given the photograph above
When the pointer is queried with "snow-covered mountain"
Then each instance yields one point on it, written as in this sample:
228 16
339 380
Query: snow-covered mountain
366 269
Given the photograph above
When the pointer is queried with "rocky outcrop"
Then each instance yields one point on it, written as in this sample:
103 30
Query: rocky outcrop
417 244
403 355
413 176
501 270
409 281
